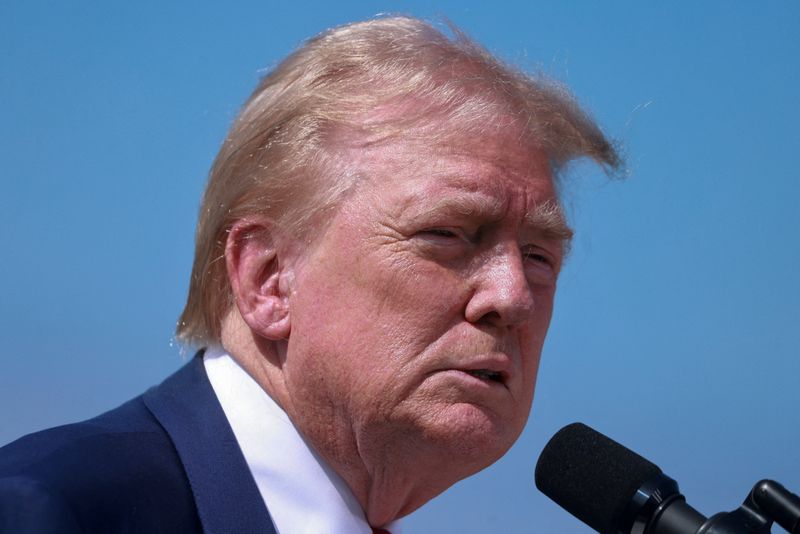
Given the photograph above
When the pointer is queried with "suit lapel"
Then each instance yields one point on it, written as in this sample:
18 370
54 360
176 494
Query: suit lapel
225 493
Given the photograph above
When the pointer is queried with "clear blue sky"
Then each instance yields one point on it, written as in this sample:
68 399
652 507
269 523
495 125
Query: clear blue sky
678 319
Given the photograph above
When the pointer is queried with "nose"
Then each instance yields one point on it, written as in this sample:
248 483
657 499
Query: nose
502 295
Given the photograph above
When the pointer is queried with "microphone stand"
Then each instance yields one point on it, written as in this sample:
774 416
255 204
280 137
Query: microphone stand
659 508
768 501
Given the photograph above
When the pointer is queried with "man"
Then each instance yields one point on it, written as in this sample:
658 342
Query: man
377 255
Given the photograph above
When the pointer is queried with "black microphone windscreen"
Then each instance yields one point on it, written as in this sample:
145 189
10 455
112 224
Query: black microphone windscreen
591 476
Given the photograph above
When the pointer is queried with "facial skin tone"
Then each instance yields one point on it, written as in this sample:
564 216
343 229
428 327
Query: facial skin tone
404 341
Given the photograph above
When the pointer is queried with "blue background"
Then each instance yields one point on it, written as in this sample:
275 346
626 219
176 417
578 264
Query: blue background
676 327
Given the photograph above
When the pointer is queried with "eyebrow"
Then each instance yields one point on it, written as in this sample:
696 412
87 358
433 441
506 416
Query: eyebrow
548 217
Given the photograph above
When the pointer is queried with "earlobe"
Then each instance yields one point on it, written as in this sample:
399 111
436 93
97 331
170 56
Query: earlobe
259 279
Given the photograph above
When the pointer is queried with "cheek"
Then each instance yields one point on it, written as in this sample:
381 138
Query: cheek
532 337
422 288
406 301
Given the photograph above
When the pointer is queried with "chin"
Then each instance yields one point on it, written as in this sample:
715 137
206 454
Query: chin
474 435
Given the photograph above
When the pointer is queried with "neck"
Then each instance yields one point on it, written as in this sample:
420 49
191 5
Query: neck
383 470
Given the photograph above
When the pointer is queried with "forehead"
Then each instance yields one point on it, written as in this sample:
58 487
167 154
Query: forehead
492 170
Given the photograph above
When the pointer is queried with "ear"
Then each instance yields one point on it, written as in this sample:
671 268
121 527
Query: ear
259 280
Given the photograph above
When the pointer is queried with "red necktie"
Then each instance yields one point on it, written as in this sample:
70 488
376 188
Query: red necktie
380 531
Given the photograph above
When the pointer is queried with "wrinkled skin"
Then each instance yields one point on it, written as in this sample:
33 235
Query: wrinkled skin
434 266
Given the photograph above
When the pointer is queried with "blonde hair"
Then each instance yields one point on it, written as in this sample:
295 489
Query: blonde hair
359 84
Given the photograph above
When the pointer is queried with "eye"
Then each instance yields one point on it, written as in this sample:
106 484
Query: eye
536 255
540 266
444 239
441 232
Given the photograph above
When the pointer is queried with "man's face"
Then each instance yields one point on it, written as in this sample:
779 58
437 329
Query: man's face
418 317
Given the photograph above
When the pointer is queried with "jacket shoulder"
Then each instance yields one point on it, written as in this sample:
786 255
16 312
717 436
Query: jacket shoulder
116 472
29 506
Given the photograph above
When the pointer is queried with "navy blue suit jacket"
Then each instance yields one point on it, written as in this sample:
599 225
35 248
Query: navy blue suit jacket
166 461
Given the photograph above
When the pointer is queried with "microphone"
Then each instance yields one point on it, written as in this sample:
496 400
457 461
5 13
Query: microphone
615 491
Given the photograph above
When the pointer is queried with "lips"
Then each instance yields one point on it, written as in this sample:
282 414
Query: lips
487 375
492 368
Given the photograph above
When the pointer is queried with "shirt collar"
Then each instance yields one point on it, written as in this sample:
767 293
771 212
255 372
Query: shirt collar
302 493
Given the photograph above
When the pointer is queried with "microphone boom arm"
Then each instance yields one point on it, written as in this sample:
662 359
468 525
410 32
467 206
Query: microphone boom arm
768 501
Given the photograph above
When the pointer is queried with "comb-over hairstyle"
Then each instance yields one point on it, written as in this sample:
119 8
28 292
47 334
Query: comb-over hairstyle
357 85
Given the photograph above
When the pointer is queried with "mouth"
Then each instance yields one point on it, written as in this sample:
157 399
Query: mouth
486 375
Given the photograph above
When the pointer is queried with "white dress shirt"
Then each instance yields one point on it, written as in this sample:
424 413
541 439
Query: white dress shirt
302 493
